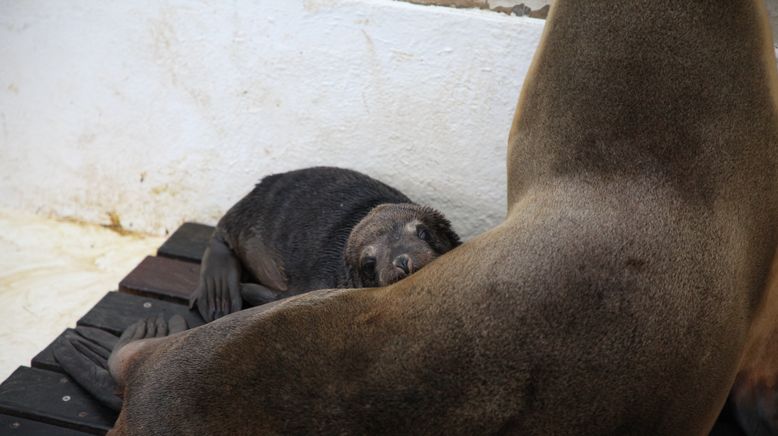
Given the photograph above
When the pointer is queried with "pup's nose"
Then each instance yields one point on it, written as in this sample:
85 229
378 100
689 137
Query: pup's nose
403 262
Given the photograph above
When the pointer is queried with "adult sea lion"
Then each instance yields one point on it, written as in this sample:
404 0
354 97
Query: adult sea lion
316 228
617 297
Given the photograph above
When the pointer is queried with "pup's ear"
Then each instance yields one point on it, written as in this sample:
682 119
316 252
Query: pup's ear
442 227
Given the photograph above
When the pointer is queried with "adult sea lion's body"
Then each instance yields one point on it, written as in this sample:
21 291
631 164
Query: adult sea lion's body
615 298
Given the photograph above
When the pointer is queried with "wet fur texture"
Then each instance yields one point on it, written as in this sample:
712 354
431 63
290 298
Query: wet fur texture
302 220
293 234
617 297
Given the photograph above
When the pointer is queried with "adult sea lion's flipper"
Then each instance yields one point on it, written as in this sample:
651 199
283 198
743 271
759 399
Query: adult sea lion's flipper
143 334
81 364
90 349
218 293
98 336
86 356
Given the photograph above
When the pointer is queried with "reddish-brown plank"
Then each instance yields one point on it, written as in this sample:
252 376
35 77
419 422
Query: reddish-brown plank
187 243
162 278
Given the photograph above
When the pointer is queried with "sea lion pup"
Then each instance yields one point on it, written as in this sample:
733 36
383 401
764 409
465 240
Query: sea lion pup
616 297
316 228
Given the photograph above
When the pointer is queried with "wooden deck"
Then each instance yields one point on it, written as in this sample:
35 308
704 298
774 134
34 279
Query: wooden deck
42 400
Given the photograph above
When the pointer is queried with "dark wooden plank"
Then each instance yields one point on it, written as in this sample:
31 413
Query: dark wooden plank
187 243
13 425
45 359
162 278
117 311
53 398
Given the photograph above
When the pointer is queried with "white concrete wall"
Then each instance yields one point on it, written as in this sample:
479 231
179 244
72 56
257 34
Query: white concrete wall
166 111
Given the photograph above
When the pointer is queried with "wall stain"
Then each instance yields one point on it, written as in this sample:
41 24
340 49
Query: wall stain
86 138
200 97
369 40
116 224
402 56
86 224
317 5
162 35
258 96
376 72
166 189
5 125
118 93
171 55
13 88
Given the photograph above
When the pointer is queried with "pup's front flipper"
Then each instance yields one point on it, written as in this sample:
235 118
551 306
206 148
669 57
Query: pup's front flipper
256 294
218 293
85 362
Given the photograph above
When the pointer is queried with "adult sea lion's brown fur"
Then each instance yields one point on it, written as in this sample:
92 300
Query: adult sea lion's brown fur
616 297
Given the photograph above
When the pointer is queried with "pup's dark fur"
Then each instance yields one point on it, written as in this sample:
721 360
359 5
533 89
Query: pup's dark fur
293 233
617 297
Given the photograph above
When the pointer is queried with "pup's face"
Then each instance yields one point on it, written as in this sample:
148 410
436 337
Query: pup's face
395 240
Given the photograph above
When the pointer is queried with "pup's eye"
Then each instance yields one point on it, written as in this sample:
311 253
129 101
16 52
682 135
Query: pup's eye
423 234
368 265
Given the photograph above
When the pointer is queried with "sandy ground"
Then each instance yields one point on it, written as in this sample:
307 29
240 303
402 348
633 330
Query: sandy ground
51 273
